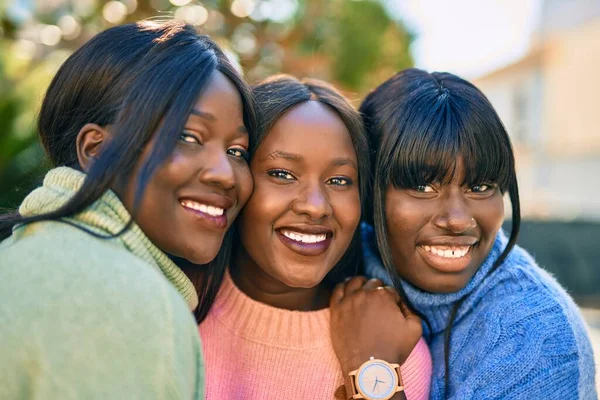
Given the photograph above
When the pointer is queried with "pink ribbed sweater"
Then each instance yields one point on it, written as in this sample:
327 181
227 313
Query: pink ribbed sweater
255 351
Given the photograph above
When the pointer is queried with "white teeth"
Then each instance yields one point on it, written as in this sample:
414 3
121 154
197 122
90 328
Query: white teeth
452 252
203 208
301 237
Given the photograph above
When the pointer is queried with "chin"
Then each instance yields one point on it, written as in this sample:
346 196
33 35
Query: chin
200 256
303 283
451 286
203 250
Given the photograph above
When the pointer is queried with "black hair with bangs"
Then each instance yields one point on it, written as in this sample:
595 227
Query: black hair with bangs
420 125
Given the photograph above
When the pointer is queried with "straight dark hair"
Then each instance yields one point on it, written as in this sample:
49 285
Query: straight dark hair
143 79
276 96
419 126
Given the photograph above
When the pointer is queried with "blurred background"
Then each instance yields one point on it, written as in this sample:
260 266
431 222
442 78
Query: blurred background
536 60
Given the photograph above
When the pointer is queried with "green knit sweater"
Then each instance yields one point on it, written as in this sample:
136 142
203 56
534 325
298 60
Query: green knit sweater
89 318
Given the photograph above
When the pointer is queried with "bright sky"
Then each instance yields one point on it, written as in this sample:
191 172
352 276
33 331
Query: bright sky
468 37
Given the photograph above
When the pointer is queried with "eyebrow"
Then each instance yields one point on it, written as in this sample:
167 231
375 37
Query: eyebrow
211 118
203 114
341 161
338 162
283 154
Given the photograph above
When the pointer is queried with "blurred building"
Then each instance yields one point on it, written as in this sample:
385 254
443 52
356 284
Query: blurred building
549 101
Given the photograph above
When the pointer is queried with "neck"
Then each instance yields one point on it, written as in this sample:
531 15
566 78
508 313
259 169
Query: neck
438 306
251 279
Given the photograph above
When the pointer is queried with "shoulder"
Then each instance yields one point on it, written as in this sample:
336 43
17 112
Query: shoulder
520 300
60 251
525 328
520 291
59 263
81 305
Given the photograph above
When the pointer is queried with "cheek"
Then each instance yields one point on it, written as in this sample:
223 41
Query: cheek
174 173
346 209
244 183
161 191
262 209
491 215
403 222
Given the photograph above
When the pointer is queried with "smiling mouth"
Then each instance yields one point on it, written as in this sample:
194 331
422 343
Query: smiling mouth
209 215
448 251
305 243
447 259
303 237
203 208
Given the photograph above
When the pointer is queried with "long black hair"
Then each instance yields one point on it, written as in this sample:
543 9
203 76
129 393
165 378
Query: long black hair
419 126
276 96
143 79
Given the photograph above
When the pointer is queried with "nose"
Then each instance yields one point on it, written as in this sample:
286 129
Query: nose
454 215
218 170
313 202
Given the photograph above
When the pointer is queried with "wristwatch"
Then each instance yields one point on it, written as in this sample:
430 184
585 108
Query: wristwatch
374 380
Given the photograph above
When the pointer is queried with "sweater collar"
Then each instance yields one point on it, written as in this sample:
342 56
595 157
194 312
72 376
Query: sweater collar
436 307
106 216
262 323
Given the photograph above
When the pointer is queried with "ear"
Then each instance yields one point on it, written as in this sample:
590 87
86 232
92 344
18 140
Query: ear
90 140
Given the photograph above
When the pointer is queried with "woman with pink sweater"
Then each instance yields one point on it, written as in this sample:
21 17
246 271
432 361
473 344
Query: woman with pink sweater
271 333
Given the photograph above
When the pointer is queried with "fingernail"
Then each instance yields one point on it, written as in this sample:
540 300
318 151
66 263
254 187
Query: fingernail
346 279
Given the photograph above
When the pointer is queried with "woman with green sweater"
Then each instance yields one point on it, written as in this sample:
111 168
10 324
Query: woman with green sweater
149 128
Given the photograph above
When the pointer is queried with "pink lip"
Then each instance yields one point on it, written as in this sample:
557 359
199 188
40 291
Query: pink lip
444 264
220 222
305 249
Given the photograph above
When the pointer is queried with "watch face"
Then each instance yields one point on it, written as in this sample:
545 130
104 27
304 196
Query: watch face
377 380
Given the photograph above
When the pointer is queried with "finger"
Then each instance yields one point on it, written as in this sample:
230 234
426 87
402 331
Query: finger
413 322
376 284
406 311
337 294
373 284
395 295
414 326
354 284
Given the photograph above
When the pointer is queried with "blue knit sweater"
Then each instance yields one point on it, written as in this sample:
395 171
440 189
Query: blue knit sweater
517 335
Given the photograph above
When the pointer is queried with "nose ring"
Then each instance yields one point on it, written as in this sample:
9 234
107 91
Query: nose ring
473 223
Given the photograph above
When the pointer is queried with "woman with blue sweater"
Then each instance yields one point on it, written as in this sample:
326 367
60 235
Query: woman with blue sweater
499 326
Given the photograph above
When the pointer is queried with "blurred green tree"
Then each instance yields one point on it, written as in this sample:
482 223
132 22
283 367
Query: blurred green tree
355 44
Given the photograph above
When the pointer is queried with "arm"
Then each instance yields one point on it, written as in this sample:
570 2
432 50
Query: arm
96 331
534 350
368 322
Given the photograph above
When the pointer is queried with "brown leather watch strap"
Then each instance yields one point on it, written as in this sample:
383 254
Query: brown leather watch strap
400 381
350 386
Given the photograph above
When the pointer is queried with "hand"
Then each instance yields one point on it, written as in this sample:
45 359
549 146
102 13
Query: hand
369 320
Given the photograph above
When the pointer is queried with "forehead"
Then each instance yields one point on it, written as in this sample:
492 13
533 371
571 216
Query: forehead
309 129
221 98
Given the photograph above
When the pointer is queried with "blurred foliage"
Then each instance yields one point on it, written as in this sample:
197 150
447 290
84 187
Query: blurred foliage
354 44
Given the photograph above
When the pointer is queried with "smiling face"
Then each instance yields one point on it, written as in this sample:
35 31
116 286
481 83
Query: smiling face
305 207
192 199
439 235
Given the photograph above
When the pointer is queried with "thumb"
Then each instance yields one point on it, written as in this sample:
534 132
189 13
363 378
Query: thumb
337 295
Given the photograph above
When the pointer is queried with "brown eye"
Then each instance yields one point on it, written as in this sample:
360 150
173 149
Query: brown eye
424 188
340 181
281 174
189 138
481 188
238 152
